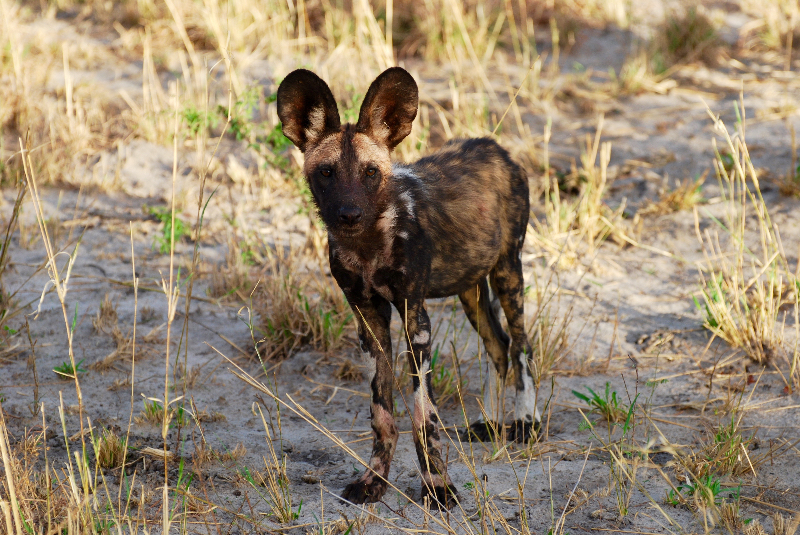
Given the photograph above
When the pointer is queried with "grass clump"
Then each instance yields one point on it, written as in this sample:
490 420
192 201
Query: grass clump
444 379
152 413
684 196
109 449
744 274
685 36
775 27
607 405
233 279
576 218
205 454
297 308
274 479
721 454
549 332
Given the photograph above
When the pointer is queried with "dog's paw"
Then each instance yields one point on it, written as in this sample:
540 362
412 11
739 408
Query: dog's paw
481 432
365 491
523 431
440 496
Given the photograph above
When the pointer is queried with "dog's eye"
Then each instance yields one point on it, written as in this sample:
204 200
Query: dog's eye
325 172
371 171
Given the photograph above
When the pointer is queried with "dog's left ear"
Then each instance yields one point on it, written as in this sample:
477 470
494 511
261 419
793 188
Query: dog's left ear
389 107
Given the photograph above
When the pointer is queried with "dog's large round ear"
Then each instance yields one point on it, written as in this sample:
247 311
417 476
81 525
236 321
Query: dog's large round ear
389 107
306 108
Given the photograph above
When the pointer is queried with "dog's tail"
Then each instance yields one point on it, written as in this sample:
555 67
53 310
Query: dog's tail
490 305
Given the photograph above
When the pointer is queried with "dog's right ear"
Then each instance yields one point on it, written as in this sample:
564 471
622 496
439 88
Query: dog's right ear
306 108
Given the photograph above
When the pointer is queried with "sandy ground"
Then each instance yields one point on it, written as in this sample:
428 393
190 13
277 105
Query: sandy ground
625 295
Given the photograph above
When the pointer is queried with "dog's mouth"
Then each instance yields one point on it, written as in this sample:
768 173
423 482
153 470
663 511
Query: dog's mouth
348 232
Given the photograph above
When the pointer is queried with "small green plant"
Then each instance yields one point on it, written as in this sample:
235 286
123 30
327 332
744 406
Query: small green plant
727 161
713 293
241 113
728 443
101 525
276 140
164 241
66 371
182 416
197 120
705 491
181 492
607 405
652 383
272 484
272 147
152 413
350 112
443 379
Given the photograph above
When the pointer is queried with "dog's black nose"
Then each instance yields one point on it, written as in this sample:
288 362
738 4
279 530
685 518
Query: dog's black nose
350 215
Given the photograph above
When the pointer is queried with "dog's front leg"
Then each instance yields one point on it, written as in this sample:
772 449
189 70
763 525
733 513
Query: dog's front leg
373 317
425 428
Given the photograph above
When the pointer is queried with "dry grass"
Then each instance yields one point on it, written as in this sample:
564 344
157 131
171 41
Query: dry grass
686 195
204 455
273 478
234 278
106 318
8 308
297 308
109 449
687 35
775 26
575 226
744 275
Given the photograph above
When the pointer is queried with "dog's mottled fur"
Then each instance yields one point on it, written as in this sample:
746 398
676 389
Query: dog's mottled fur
399 234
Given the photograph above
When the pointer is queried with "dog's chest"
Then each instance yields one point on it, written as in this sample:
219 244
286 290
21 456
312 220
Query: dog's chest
375 270
378 260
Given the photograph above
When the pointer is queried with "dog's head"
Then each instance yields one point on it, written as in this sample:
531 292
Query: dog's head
348 167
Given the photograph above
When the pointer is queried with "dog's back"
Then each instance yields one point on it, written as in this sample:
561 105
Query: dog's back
471 198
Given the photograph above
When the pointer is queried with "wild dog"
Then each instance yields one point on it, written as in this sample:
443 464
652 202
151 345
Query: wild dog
399 234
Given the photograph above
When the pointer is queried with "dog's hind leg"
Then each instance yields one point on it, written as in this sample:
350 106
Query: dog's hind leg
508 283
478 306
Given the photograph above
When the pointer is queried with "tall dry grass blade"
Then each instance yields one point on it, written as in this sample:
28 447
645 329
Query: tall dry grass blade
8 467
61 285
